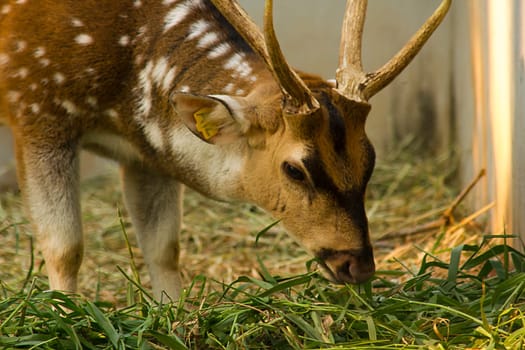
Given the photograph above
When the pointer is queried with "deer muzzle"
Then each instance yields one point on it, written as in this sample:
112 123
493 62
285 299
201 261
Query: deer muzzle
347 266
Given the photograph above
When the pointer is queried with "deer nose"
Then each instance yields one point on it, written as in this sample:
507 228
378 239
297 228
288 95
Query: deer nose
348 266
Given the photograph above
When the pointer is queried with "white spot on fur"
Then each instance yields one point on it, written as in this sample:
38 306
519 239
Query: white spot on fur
20 45
44 62
13 96
244 69
75 22
145 105
142 31
234 61
124 40
35 108
237 63
184 88
159 70
219 50
84 39
158 73
139 59
240 92
229 88
70 107
22 73
59 78
111 113
137 3
21 111
197 29
39 52
91 101
90 70
4 59
168 2
20 2
146 88
168 79
5 9
176 15
154 134
33 86
207 40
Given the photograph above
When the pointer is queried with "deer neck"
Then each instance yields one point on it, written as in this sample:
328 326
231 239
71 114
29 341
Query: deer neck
194 52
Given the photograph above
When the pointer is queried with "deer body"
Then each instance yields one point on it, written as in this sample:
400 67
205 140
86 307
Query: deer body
178 94
106 86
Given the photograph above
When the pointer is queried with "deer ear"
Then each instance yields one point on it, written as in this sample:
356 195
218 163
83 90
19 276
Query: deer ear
216 119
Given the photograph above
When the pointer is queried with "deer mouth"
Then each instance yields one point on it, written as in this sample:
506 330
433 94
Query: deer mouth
347 266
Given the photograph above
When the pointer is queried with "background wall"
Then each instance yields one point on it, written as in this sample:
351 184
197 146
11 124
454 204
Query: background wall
489 91
417 103
7 171
518 139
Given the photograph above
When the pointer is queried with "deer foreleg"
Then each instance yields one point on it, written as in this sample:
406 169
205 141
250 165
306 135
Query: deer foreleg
49 181
155 206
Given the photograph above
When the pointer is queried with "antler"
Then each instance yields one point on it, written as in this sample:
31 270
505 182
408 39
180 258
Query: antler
352 81
298 99
350 71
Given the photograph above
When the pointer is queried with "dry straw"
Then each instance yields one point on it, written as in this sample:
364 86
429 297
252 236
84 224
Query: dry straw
410 204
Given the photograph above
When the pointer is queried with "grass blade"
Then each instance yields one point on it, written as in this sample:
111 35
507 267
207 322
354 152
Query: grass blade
103 322
172 341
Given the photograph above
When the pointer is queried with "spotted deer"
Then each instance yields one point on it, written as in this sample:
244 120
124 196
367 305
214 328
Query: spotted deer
188 92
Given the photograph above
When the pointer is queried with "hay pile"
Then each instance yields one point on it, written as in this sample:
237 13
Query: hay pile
218 239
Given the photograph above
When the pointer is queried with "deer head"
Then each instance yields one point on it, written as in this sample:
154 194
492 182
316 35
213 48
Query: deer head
317 154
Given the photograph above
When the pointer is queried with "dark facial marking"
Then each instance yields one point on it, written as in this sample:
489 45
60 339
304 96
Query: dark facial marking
352 201
370 156
336 125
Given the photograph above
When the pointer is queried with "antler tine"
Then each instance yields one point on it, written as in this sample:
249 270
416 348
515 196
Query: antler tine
350 68
377 80
298 97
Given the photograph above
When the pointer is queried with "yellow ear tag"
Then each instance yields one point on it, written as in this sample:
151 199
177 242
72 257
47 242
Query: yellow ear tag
205 127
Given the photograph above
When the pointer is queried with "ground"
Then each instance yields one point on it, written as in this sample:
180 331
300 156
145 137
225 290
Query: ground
219 239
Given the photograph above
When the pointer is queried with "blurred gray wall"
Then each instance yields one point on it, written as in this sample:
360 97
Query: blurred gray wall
7 164
489 90
416 105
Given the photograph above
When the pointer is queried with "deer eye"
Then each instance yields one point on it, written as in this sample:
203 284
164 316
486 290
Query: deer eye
293 172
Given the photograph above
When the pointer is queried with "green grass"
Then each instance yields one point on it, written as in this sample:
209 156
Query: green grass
478 304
